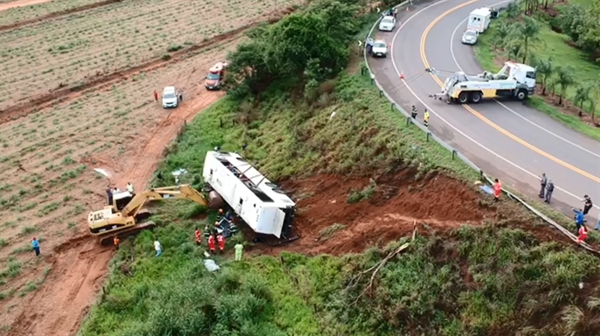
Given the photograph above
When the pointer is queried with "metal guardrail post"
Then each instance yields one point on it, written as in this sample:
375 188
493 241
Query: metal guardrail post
392 107
428 136
407 120
380 93
453 153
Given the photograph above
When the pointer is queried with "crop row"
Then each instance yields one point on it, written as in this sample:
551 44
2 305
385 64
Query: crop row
50 144
42 57
18 14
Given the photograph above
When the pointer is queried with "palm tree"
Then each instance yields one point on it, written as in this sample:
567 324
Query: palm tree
594 98
503 33
582 95
512 10
529 33
564 78
544 69
514 49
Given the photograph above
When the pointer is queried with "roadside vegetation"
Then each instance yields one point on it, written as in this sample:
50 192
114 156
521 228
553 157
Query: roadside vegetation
560 40
302 116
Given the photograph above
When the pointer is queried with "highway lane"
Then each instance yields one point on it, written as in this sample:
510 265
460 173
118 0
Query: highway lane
513 161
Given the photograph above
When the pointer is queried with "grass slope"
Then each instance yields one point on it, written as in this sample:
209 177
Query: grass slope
554 44
488 281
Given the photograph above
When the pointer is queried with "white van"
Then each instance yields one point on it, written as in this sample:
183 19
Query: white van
170 97
479 20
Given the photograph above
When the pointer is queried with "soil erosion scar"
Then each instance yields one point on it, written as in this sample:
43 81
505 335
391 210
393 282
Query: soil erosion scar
479 115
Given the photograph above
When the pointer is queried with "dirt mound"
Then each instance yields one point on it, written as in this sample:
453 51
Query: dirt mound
391 206
57 14
100 80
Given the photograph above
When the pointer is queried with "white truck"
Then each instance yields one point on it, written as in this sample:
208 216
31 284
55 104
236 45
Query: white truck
479 20
260 203
514 80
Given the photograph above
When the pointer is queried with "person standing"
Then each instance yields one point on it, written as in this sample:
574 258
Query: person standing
549 191
238 251
198 235
155 96
413 113
587 204
598 224
543 182
212 244
109 195
35 244
583 232
578 218
497 189
221 241
116 243
130 187
158 248
426 118
395 12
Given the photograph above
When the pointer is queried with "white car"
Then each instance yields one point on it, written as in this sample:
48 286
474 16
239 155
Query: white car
388 23
379 49
469 37
170 97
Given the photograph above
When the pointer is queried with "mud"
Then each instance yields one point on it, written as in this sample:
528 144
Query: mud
55 14
102 80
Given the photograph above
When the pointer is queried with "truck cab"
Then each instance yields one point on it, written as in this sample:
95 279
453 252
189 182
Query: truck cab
215 76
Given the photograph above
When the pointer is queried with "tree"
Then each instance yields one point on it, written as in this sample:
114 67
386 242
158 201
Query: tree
502 35
594 98
512 10
545 70
565 79
582 95
528 32
572 20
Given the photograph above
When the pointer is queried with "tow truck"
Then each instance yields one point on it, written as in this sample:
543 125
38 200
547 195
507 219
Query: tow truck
514 80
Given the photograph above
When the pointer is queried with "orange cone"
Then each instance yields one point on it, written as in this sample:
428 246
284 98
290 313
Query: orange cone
401 74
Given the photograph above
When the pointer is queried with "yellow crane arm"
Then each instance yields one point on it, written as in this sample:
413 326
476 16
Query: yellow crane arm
182 191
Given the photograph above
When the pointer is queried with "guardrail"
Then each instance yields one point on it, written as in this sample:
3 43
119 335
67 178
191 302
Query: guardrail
453 152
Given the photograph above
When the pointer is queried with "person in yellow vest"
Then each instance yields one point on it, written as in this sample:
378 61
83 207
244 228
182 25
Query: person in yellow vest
426 118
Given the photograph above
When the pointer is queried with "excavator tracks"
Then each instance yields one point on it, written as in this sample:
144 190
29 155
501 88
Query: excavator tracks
106 239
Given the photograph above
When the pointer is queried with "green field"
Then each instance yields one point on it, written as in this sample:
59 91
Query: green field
496 279
549 44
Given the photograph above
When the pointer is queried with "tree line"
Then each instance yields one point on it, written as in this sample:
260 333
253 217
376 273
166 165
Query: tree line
518 38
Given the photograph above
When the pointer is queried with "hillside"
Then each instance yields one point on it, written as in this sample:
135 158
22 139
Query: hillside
365 181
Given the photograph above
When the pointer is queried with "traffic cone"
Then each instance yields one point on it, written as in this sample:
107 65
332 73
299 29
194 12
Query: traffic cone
401 74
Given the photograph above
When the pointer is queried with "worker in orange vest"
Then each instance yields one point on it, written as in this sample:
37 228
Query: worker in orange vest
211 243
198 235
497 189
116 243
583 232
221 242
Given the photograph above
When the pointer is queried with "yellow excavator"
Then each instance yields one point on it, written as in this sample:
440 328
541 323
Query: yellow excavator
125 216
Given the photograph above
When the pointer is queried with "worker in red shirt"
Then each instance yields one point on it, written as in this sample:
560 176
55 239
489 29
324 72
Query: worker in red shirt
198 235
155 96
583 232
497 189
211 243
221 242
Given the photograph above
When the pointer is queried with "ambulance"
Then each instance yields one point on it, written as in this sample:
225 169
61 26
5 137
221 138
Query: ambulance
479 20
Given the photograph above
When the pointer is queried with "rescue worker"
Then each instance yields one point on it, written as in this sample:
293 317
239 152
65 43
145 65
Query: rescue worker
116 243
35 245
155 96
549 191
198 235
369 45
426 118
158 248
238 251
413 113
587 204
221 242
395 12
583 232
543 182
221 215
578 218
497 189
211 243
130 187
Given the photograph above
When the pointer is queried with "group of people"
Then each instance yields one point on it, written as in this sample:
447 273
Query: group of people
111 192
414 113
546 188
216 237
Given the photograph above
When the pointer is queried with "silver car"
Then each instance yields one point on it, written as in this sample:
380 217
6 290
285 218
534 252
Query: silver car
388 23
469 37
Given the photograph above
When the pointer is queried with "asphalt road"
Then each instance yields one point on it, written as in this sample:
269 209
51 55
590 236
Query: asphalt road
506 139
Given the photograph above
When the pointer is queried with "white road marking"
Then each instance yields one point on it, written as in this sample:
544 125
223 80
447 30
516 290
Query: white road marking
449 124
506 107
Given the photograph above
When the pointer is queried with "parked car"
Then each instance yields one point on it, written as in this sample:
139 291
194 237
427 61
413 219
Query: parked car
388 23
170 97
379 49
469 37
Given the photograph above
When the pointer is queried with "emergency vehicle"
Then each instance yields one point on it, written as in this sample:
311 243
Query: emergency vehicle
214 79
479 20
514 80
